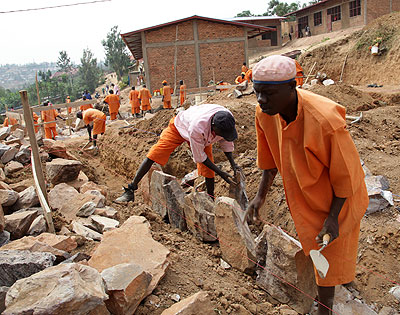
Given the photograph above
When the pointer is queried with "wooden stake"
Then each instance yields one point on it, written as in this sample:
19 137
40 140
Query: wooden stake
309 74
344 64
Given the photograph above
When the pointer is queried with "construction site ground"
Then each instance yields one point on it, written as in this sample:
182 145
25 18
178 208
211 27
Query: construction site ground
196 265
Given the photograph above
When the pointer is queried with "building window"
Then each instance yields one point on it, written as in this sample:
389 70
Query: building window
335 13
317 18
355 8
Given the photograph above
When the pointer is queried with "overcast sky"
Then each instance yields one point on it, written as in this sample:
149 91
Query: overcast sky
37 36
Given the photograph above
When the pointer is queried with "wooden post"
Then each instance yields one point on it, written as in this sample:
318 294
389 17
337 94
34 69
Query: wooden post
36 163
309 74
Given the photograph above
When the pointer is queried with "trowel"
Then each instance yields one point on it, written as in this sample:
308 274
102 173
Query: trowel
320 262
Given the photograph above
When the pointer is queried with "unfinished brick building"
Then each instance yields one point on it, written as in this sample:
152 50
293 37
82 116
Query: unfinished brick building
195 49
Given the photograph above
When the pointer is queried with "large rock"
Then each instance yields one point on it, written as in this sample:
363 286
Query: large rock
2 220
126 285
139 248
12 167
175 197
18 264
346 303
61 242
8 197
86 232
63 289
104 224
67 200
18 133
19 223
4 132
22 185
27 199
144 185
379 195
80 181
9 154
38 226
237 190
100 200
108 212
4 237
199 303
3 292
56 148
62 171
86 210
157 193
24 155
200 217
93 186
5 186
235 238
286 260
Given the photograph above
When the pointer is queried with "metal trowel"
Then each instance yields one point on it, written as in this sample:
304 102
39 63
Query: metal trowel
320 262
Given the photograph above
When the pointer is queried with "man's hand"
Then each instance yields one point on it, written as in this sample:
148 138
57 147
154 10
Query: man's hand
330 227
226 177
252 213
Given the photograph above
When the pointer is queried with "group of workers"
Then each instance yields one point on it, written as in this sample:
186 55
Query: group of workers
304 137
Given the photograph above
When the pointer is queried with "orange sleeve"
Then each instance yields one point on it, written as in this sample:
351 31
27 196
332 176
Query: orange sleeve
265 160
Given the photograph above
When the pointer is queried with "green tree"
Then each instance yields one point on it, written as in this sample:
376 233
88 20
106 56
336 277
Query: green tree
117 56
64 62
244 13
275 7
89 71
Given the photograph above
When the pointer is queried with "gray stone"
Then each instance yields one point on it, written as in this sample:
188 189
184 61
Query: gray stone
237 93
27 198
9 154
100 200
386 310
82 230
379 197
199 303
86 210
62 289
345 303
62 171
18 133
38 226
104 224
8 197
107 211
12 167
4 132
235 234
157 193
237 190
395 291
200 217
286 260
4 238
77 258
22 185
18 264
19 223
24 155
127 285
242 86
3 292
175 197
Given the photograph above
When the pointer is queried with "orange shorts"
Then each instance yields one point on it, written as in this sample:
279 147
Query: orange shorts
169 140
50 132
167 104
113 116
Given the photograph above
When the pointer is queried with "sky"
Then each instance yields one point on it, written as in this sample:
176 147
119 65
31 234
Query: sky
39 35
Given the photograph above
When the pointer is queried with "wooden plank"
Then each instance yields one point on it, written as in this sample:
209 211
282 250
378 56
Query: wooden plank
222 87
38 109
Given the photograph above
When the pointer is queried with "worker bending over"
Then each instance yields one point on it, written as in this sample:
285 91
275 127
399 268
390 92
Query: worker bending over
10 121
304 137
95 121
200 126
167 91
241 78
85 106
113 104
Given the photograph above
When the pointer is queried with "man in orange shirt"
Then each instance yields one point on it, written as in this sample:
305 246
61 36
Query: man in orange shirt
244 68
249 75
49 116
134 100
94 120
182 92
304 137
145 99
68 100
167 91
239 79
113 104
10 121
85 106
299 73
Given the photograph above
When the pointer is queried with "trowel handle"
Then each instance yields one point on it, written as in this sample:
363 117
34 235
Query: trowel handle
325 239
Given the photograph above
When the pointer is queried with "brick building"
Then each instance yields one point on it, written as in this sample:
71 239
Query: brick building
333 15
195 49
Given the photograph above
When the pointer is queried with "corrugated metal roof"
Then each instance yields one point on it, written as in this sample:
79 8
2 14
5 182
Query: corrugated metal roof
306 8
134 39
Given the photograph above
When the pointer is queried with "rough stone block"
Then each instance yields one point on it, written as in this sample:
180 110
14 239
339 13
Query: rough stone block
157 192
175 197
18 223
199 303
62 171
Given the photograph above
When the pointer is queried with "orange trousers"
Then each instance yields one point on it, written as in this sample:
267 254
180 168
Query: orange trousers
167 104
113 116
169 140
135 110
182 98
50 132
146 107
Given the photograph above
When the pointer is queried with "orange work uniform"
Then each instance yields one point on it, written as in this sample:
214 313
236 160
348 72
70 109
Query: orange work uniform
182 93
68 100
98 118
134 100
144 97
85 107
10 121
167 91
113 105
244 69
35 121
169 140
249 75
317 159
239 79
50 129
299 74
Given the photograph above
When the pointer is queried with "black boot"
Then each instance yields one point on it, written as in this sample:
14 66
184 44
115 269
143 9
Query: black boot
127 196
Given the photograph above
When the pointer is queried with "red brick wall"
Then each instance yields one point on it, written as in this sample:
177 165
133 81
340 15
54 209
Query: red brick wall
396 5
211 30
168 33
376 9
225 58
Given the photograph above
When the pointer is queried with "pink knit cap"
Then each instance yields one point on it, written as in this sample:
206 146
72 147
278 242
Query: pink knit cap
274 69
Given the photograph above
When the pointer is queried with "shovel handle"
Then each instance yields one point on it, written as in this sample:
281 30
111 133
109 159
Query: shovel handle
325 239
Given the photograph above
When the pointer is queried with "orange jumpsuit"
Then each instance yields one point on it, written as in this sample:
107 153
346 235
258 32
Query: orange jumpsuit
10 121
50 129
182 93
35 121
98 118
249 75
239 79
316 157
144 97
244 69
113 105
167 91
68 100
299 74
134 100
85 107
